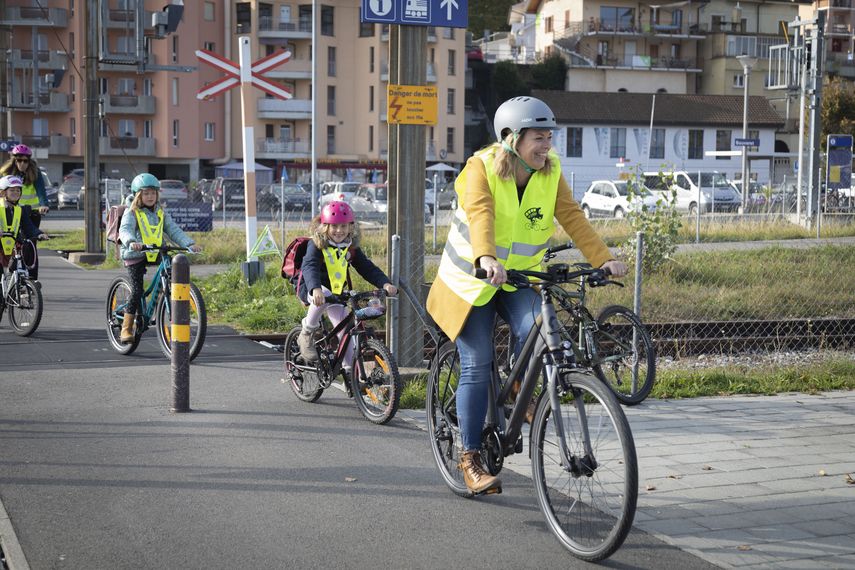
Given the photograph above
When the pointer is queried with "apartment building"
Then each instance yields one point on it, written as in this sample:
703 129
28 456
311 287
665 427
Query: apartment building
839 36
352 76
150 118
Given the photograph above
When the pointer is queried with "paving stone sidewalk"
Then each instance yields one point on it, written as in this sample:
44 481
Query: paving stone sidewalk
747 481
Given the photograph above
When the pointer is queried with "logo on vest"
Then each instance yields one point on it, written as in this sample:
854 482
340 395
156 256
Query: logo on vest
534 216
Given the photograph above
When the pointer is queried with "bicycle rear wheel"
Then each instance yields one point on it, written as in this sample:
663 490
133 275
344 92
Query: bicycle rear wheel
376 383
305 383
624 359
589 506
118 296
25 306
198 323
441 407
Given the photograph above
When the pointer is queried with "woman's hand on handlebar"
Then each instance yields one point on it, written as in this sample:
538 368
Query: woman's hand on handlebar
390 289
614 268
495 271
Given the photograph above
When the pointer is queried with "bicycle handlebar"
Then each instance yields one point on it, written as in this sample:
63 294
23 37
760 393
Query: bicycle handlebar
167 249
555 274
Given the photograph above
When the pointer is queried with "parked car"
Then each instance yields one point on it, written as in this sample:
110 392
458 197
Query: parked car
611 198
685 184
76 172
373 199
70 194
232 189
172 191
52 194
338 191
447 195
293 196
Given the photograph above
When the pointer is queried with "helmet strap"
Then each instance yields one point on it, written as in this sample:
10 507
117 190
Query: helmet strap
513 151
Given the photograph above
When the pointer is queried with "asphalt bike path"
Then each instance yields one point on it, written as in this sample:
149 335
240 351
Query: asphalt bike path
95 472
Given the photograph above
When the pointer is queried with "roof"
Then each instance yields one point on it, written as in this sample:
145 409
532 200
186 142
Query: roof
671 109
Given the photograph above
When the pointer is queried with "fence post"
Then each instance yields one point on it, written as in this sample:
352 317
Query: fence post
639 257
392 315
180 334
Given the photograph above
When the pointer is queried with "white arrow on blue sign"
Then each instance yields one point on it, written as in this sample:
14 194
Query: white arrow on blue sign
441 13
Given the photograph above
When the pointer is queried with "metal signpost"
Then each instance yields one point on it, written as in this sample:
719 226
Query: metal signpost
247 75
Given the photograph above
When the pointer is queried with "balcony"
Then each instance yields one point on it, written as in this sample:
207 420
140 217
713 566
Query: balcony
278 149
131 146
634 62
272 29
125 62
279 109
60 145
129 104
35 16
52 102
598 27
121 19
36 141
838 30
840 64
292 69
47 59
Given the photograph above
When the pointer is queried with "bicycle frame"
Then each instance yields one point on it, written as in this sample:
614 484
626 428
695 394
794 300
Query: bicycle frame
352 331
159 285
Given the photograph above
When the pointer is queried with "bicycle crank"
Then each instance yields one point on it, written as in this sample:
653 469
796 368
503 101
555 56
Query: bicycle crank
491 451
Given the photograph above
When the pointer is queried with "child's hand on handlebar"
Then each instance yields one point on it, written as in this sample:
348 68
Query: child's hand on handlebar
136 246
43 237
195 248
390 289
317 297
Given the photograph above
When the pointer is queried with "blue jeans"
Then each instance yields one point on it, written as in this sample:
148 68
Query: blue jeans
475 346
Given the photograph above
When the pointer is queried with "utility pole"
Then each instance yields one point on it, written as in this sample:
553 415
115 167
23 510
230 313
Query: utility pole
91 193
817 52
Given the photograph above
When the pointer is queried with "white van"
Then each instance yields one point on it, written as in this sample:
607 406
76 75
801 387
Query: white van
717 193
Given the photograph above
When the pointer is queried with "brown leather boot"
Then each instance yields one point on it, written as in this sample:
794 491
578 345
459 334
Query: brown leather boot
477 479
127 335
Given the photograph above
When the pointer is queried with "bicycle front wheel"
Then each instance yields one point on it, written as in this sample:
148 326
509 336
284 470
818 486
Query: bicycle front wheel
441 407
589 497
376 382
624 358
117 299
198 323
25 306
305 382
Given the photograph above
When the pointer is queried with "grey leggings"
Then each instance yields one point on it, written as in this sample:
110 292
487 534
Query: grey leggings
136 272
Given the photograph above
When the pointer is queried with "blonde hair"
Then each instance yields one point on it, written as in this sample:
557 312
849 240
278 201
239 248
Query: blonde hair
28 176
320 233
137 204
505 161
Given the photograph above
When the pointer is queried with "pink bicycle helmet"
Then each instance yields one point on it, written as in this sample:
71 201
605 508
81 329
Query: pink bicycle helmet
21 150
337 213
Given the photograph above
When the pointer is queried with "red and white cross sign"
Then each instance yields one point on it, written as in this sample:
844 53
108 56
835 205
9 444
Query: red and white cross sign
232 71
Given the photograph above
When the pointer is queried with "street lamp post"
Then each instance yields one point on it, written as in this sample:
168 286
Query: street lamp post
748 62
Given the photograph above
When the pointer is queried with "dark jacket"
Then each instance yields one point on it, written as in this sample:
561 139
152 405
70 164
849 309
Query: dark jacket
315 270
27 230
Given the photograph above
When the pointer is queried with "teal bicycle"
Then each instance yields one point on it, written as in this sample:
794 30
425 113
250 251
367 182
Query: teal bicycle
155 308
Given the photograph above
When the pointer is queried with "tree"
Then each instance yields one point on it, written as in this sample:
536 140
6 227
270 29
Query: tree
551 73
488 15
507 81
837 110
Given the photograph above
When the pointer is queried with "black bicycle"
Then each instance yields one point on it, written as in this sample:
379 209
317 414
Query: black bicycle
21 295
374 381
583 457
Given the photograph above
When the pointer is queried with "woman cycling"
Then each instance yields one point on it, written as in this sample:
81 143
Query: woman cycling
509 194
23 165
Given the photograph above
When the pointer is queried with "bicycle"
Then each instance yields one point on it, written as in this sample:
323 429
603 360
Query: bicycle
155 308
21 295
584 464
374 378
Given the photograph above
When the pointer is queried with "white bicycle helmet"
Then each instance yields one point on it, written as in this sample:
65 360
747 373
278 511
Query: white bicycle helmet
10 181
521 113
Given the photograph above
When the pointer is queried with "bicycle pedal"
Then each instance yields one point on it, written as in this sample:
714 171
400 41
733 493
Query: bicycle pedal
491 491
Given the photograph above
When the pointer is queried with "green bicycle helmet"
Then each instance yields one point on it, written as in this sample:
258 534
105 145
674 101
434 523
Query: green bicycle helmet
144 180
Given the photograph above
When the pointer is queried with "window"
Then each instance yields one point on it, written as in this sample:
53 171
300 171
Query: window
209 11
174 48
243 17
696 144
211 46
102 86
370 97
366 30
146 86
566 19
330 99
574 142
73 84
331 139
331 61
722 142
175 91
370 138
148 129
71 43
448 33
548 26
753 134
449 139
616 19
72 127
327 16
738 81
657 144
371 59
304 13
451 64
175 132
209 131
126 86
617 143
127 128
450 104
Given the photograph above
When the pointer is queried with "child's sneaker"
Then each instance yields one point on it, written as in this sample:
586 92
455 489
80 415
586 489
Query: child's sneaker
306 342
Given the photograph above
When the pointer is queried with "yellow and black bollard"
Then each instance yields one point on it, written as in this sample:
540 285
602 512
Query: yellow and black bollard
180 334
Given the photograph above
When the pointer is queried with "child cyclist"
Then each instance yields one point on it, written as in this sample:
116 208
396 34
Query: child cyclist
143 224
334 247
14 222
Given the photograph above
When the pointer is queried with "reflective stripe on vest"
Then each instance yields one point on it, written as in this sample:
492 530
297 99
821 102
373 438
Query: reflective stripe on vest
151 235
336 261
29 197
9 242
522 230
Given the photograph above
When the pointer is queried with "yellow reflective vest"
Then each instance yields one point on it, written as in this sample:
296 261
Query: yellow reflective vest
29 197
336 261
151 235
522 230
8 227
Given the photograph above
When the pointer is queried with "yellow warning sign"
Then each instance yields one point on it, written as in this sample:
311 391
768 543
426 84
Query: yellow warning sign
411 105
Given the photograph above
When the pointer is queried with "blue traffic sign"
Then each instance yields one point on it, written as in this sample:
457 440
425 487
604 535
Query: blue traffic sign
840 141
6 146
746 142
441 13
838 167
